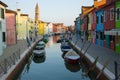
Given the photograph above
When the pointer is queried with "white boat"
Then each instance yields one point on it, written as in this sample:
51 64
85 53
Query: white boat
41 43
38 53
39 47
72 56
65 47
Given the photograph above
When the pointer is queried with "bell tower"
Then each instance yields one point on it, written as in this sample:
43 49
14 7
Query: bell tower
37 14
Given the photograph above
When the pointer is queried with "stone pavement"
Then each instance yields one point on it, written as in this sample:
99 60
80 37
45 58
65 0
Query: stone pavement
103 53
10 49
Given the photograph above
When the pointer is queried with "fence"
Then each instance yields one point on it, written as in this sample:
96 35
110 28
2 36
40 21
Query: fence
8 62
117 70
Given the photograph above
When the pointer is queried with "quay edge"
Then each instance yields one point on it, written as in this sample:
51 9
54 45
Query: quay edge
89 60
16 69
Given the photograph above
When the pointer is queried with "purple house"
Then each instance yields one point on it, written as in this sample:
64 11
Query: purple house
11 36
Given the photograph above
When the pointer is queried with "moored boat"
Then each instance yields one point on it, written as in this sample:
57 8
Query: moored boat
65 47
41 43
72 56
38 53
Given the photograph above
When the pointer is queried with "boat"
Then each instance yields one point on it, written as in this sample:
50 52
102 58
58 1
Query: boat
45 39
38 53
72 57
41 43
39 47
65 47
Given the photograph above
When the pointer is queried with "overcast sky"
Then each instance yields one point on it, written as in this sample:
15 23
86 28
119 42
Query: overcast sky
56 11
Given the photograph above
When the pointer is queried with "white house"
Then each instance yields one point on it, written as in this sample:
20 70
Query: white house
50 28
2 27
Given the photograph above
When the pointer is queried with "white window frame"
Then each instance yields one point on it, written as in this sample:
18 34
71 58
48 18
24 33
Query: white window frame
105 15
111 13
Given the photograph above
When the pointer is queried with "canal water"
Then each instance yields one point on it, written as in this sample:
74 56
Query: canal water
52 66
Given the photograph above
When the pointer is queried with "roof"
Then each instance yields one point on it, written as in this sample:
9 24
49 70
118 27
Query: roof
24 14
3 4
86 10
10 11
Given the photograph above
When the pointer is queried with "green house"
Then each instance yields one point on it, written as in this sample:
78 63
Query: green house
117 27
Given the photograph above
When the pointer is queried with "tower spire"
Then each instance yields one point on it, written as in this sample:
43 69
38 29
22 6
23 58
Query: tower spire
37 13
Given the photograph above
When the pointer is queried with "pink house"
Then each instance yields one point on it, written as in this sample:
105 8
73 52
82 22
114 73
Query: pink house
11 36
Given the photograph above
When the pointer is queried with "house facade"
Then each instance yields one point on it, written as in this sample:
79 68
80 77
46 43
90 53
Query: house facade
11 35
109 24
78 27
100 27
2 27
22 25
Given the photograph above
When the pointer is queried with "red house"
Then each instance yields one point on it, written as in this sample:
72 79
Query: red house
94 25
11 36
109 23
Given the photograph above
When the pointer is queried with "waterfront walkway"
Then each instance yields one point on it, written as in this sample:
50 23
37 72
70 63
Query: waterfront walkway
105 56
12 54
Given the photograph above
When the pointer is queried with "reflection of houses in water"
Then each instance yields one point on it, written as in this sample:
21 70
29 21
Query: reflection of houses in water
55 38
50 42
72 67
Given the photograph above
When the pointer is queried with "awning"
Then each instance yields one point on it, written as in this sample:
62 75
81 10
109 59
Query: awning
115 32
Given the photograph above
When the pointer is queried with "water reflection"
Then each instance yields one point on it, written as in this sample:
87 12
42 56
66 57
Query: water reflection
55 38
72 67
39 59
53 66
50 42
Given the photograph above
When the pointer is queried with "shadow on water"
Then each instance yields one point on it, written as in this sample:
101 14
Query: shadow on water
39 59
72 67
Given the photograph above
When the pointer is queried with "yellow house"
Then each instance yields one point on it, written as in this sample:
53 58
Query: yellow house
41 28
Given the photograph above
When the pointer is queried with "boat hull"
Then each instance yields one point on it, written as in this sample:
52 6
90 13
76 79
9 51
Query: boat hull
72 56
39 53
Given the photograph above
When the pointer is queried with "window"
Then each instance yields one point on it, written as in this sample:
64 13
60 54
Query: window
3 34
97 19
0 25
118 14
111 14
102 18
1 13
105 15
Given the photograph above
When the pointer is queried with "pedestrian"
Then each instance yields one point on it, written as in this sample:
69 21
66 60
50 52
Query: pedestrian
28 41
30 35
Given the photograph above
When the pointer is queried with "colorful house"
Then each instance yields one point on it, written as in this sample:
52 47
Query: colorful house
78 27
41 26
117 27
100 27
93 32
50 28
2 27
109 18
86 21
11 36
22 25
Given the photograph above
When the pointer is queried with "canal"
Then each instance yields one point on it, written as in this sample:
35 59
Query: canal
52 66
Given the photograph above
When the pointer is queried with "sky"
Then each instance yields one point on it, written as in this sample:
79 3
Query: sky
55 11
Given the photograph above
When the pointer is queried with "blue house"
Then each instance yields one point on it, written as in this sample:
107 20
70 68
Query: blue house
100 27
78 24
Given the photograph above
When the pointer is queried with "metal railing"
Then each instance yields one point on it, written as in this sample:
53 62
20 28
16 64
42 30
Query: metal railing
117 70
8 62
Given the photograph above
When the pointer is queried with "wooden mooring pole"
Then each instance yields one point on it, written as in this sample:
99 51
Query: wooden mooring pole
93 65
86 50
104 66
83 45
